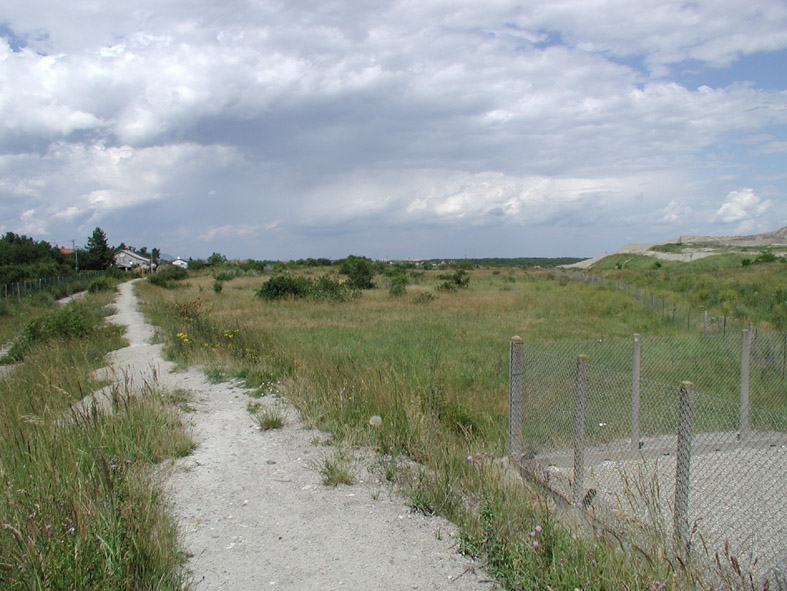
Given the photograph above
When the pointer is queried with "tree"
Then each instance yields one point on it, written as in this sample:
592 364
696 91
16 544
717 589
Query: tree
359 270
216 259
100 256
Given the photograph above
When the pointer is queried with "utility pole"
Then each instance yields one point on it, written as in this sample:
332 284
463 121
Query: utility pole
76 256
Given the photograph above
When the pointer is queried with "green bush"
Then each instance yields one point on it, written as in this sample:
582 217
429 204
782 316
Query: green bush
284 286
101 284
325 288
71 321
224 276
457 280
359 271
397 289
172 272
167 275
765 257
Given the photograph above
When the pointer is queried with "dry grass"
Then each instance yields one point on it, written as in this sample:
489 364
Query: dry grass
435 371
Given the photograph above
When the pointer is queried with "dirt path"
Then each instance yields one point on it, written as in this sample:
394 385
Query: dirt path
254 512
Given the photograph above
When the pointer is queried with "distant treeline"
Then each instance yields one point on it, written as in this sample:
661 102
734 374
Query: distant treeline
218 260
22 258
512 262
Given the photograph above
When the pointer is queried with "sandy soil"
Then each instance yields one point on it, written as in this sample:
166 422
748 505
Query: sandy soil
253 511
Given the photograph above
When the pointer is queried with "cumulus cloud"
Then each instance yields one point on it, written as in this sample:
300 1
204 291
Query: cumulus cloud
674 212
321 116
744 208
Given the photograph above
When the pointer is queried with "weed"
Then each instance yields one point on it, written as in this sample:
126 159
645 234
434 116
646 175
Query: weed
336 470
268 418
216 374
424 297
181 398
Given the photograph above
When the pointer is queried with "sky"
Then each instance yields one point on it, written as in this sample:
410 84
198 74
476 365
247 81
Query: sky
284 129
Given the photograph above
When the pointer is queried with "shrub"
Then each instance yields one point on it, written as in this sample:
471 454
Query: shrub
397 289
324 288
101 284
224 276
167 275
218 286
114 272
172 272
284 286
457 280
71 321
424 298
765 257
359 271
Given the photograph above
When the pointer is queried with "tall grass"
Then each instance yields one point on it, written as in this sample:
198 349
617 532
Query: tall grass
80 508
435 370
720 284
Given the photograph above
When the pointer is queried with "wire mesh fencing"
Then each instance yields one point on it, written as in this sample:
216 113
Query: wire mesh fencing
21 289
680 313
664 440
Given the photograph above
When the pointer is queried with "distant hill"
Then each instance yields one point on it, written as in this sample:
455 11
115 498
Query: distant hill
691 248
774 238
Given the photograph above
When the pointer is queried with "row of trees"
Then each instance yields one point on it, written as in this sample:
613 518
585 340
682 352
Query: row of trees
23 258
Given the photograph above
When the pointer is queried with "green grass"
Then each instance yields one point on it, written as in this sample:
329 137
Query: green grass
80 506
268 418
433 365
720 284
335 470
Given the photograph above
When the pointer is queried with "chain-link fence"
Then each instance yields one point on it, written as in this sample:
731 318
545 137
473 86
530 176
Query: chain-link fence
680 313
663 439
20 289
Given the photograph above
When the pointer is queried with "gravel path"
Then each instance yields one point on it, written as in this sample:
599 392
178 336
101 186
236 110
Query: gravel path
254 513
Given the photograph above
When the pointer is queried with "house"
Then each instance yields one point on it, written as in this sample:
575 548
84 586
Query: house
126 259
180 263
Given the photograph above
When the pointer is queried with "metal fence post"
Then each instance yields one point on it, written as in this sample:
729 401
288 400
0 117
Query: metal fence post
635 394
515 397
705 324
579 429
745 357
682 471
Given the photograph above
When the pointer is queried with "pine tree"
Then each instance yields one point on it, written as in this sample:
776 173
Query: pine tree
100 256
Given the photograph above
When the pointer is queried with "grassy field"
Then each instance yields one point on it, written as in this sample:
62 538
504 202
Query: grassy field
79 505
433 365
754 292
81 509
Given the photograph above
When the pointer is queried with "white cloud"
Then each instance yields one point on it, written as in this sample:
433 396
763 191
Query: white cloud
228 231
674 212
461 114
745 208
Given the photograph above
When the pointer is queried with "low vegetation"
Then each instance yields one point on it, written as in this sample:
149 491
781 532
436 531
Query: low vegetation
723 284
431 364
408 361
79 504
